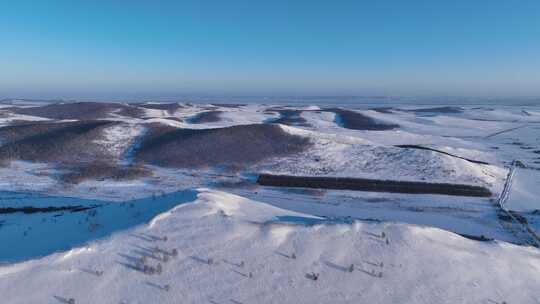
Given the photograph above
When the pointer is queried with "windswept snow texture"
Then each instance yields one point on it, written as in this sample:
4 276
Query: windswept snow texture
87 189
233 250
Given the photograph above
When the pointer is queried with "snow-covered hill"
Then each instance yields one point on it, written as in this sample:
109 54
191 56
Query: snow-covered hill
234 250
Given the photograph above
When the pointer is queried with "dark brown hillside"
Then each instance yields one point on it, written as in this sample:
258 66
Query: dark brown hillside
79 110
232 147
289 117
64 143
169 107
206 117
357 121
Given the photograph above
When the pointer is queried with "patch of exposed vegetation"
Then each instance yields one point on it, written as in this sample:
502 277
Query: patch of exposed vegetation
104 171
206 117
79 110
228 105
441 110
372 185
289 117
357 121
231 147
62 143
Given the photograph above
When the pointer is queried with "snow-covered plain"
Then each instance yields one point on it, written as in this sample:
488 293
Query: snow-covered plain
236 240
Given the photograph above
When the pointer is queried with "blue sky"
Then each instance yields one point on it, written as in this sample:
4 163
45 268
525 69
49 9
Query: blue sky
102 49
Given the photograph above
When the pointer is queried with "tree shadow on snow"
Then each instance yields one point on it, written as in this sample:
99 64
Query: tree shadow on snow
336 266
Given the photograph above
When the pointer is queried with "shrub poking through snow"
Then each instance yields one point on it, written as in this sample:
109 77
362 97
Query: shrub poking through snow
376 274
150 269
174 252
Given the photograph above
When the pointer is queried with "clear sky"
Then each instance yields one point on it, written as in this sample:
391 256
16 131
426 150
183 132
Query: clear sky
133 48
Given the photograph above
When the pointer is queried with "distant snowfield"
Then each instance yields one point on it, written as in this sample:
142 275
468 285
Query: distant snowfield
236 240
250 247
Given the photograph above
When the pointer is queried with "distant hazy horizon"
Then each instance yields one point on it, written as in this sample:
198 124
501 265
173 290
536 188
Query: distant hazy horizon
349 101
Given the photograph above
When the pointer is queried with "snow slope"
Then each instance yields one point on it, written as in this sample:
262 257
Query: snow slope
345 156
250 247
525 191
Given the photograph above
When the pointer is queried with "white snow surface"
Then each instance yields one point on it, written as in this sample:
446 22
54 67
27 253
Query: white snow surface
343 156
250 246
118 138
234 221
7 118
525 191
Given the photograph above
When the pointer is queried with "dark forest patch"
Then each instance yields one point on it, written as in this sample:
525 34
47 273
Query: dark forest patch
79 110
63 143
357 121
229 105
70 146
373 185
231 147
438 110
288 117
206 117
103 171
